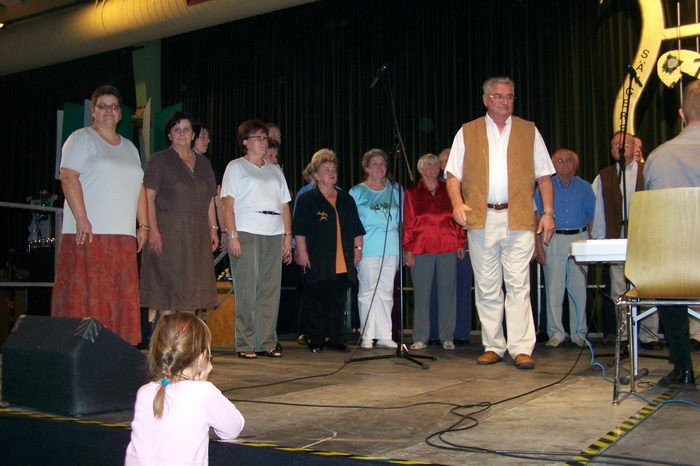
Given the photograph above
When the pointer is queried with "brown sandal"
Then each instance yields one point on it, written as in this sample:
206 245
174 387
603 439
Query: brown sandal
245 355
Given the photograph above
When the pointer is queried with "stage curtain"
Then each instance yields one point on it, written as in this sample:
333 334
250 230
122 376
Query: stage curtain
309 69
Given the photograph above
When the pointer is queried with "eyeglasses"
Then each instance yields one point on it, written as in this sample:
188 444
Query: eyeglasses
499 97
113 107
259 138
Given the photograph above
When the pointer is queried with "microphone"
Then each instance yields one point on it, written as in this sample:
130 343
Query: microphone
633 74
378 75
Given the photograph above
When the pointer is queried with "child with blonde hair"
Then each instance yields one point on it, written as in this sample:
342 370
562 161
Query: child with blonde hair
174 412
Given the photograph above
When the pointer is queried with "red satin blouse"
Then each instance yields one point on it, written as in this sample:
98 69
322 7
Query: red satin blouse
428 224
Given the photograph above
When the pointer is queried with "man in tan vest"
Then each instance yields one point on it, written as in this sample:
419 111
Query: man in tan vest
491 173
608 222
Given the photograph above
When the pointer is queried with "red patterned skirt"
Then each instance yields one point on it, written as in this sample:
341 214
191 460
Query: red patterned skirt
100 280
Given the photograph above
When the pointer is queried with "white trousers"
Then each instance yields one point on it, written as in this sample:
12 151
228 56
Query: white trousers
649 327
557 252
500 255
378 317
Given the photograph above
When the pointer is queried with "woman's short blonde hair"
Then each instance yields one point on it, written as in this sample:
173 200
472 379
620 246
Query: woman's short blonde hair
320 157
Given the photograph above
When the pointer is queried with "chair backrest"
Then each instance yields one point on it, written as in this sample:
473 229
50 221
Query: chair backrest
663 246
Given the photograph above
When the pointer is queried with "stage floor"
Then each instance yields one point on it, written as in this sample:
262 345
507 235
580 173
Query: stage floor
387 408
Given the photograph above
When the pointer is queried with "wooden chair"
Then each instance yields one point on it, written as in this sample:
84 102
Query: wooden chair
663 263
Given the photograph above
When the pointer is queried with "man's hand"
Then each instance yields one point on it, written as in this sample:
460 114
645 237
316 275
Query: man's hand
546 228
460 212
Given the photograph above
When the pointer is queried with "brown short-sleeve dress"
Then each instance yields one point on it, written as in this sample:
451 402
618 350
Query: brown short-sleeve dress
181 278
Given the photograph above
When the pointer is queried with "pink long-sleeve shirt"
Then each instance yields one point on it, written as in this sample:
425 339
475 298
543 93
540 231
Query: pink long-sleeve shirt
181 436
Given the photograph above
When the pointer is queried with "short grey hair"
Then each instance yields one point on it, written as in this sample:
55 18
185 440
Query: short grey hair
497 80
424 158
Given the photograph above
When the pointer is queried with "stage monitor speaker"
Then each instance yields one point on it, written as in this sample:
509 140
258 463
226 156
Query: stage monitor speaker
70 366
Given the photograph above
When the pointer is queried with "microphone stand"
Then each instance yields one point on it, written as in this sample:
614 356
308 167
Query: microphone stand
399 148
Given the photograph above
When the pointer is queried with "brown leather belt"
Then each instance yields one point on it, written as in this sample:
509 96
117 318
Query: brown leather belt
497 206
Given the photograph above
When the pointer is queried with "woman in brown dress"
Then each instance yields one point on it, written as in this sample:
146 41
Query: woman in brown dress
177 270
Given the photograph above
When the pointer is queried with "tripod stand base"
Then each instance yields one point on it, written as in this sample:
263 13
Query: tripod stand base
401 352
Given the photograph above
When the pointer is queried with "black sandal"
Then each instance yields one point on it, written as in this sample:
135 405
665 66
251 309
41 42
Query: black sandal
273 353
246 355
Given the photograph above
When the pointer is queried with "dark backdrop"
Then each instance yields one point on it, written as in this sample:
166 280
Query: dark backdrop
309 69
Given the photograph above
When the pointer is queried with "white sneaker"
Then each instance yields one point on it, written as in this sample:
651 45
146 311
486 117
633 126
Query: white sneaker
384 343
418 345
554 342
448 345
366 344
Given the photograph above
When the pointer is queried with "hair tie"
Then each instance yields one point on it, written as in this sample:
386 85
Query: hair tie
165 382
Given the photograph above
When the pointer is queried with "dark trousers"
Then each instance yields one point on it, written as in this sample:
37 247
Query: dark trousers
465 280
675 322
324 305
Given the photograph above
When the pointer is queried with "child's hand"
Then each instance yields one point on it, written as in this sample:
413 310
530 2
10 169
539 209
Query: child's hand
204 375
205 363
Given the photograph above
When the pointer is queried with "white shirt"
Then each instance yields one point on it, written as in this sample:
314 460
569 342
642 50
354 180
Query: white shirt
181 436
498 159
254 190
599 226
110 177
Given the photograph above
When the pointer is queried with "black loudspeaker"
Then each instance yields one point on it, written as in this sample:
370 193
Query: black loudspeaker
70 366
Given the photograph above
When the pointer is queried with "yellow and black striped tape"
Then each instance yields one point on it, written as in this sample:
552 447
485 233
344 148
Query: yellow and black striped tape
53 417
618 432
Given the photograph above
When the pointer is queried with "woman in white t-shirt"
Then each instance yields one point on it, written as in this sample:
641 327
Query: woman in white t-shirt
258 225
101 175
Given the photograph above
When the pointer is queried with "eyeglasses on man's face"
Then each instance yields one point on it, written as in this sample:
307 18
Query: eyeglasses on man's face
502 97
